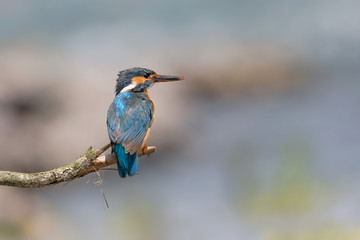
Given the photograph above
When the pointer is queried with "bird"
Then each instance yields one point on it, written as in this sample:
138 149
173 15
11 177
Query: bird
131 115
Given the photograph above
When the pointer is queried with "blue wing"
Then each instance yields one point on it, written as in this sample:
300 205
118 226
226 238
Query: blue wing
129 117
128 120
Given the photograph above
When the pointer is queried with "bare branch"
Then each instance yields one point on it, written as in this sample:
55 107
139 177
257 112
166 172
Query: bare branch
89 162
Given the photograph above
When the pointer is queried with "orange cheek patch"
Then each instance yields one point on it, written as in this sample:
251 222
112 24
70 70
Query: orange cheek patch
138 80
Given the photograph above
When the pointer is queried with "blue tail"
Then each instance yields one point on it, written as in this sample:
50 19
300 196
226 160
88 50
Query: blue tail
127 164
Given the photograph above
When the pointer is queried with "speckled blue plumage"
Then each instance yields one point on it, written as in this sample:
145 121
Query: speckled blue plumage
129 117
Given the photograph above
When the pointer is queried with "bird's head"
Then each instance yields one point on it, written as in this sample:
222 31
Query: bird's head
139 79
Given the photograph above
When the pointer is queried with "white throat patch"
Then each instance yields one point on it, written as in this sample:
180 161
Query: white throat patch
129 87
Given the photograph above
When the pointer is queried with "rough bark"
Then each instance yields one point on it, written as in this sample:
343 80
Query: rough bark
89 162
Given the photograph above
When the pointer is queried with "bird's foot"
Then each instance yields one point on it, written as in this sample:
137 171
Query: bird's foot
144 149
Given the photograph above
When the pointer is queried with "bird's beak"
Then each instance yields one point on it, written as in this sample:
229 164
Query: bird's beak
166 78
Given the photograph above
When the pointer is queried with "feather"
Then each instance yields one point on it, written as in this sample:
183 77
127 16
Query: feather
129 118
127 163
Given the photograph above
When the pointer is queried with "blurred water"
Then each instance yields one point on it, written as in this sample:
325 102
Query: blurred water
233 162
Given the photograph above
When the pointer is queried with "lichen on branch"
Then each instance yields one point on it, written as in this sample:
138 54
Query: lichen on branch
89 162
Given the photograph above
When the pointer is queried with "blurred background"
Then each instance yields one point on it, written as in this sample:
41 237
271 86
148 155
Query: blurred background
260 142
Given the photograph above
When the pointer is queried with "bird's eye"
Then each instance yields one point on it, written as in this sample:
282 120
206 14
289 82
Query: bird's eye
146 75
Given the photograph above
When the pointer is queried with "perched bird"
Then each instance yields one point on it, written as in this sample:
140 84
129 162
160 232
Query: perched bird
131 114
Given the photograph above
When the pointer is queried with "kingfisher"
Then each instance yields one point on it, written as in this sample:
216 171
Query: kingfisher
131 115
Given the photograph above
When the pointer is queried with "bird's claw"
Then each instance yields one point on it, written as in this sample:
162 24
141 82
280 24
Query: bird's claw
144 150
